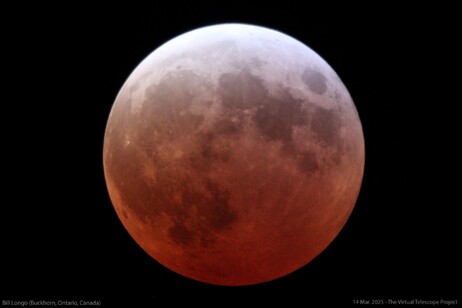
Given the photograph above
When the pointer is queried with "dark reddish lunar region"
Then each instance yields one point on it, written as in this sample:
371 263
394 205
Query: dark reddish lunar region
233 155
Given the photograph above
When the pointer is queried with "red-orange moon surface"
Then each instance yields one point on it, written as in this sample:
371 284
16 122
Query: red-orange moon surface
233 154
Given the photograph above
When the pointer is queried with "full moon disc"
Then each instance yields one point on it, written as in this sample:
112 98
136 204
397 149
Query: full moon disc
233 154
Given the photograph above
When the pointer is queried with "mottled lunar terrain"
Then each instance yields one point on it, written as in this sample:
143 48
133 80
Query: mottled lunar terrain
233 154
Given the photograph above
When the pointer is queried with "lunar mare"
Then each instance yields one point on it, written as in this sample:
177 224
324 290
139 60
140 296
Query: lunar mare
233 154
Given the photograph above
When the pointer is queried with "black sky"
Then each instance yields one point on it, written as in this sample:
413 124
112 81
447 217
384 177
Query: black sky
60 235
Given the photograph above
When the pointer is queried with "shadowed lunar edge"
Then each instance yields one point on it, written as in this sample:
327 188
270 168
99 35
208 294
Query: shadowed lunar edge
237 188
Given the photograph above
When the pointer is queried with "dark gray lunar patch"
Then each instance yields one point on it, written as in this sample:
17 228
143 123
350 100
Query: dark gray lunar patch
315 81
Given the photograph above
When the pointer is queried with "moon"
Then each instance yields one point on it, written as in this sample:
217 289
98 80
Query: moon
233 154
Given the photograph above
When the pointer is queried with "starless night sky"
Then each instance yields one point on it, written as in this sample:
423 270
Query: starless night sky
61 237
